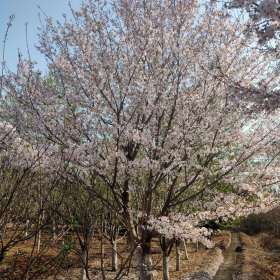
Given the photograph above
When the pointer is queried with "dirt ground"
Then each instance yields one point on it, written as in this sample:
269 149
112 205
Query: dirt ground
261 257
49 263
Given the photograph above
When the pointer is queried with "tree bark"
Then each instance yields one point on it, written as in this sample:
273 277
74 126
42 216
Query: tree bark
39 241
54 229
166 247
145 261
83 274
26 228
41 219
102 256
114 256
165 266
128 216
185 248
178 256
26 231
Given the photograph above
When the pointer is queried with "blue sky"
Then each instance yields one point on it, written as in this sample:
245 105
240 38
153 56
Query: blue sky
27 11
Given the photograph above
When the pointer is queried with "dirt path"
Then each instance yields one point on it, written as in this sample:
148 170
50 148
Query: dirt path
231 263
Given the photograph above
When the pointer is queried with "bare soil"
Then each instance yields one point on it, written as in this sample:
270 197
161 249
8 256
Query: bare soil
261 257
50 262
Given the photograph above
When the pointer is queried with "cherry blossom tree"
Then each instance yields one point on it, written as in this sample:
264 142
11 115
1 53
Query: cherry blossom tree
262 19
21 207
265 15
82 216
111 230
139 104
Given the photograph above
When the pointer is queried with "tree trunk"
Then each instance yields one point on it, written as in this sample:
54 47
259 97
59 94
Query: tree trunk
54 229
26 228
39 241
166 247
102 256
83 274
144 262
178 256
41 219
26 231
185 248
165 266
114 256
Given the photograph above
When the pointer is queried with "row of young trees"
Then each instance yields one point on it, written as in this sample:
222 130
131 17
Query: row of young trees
138 125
